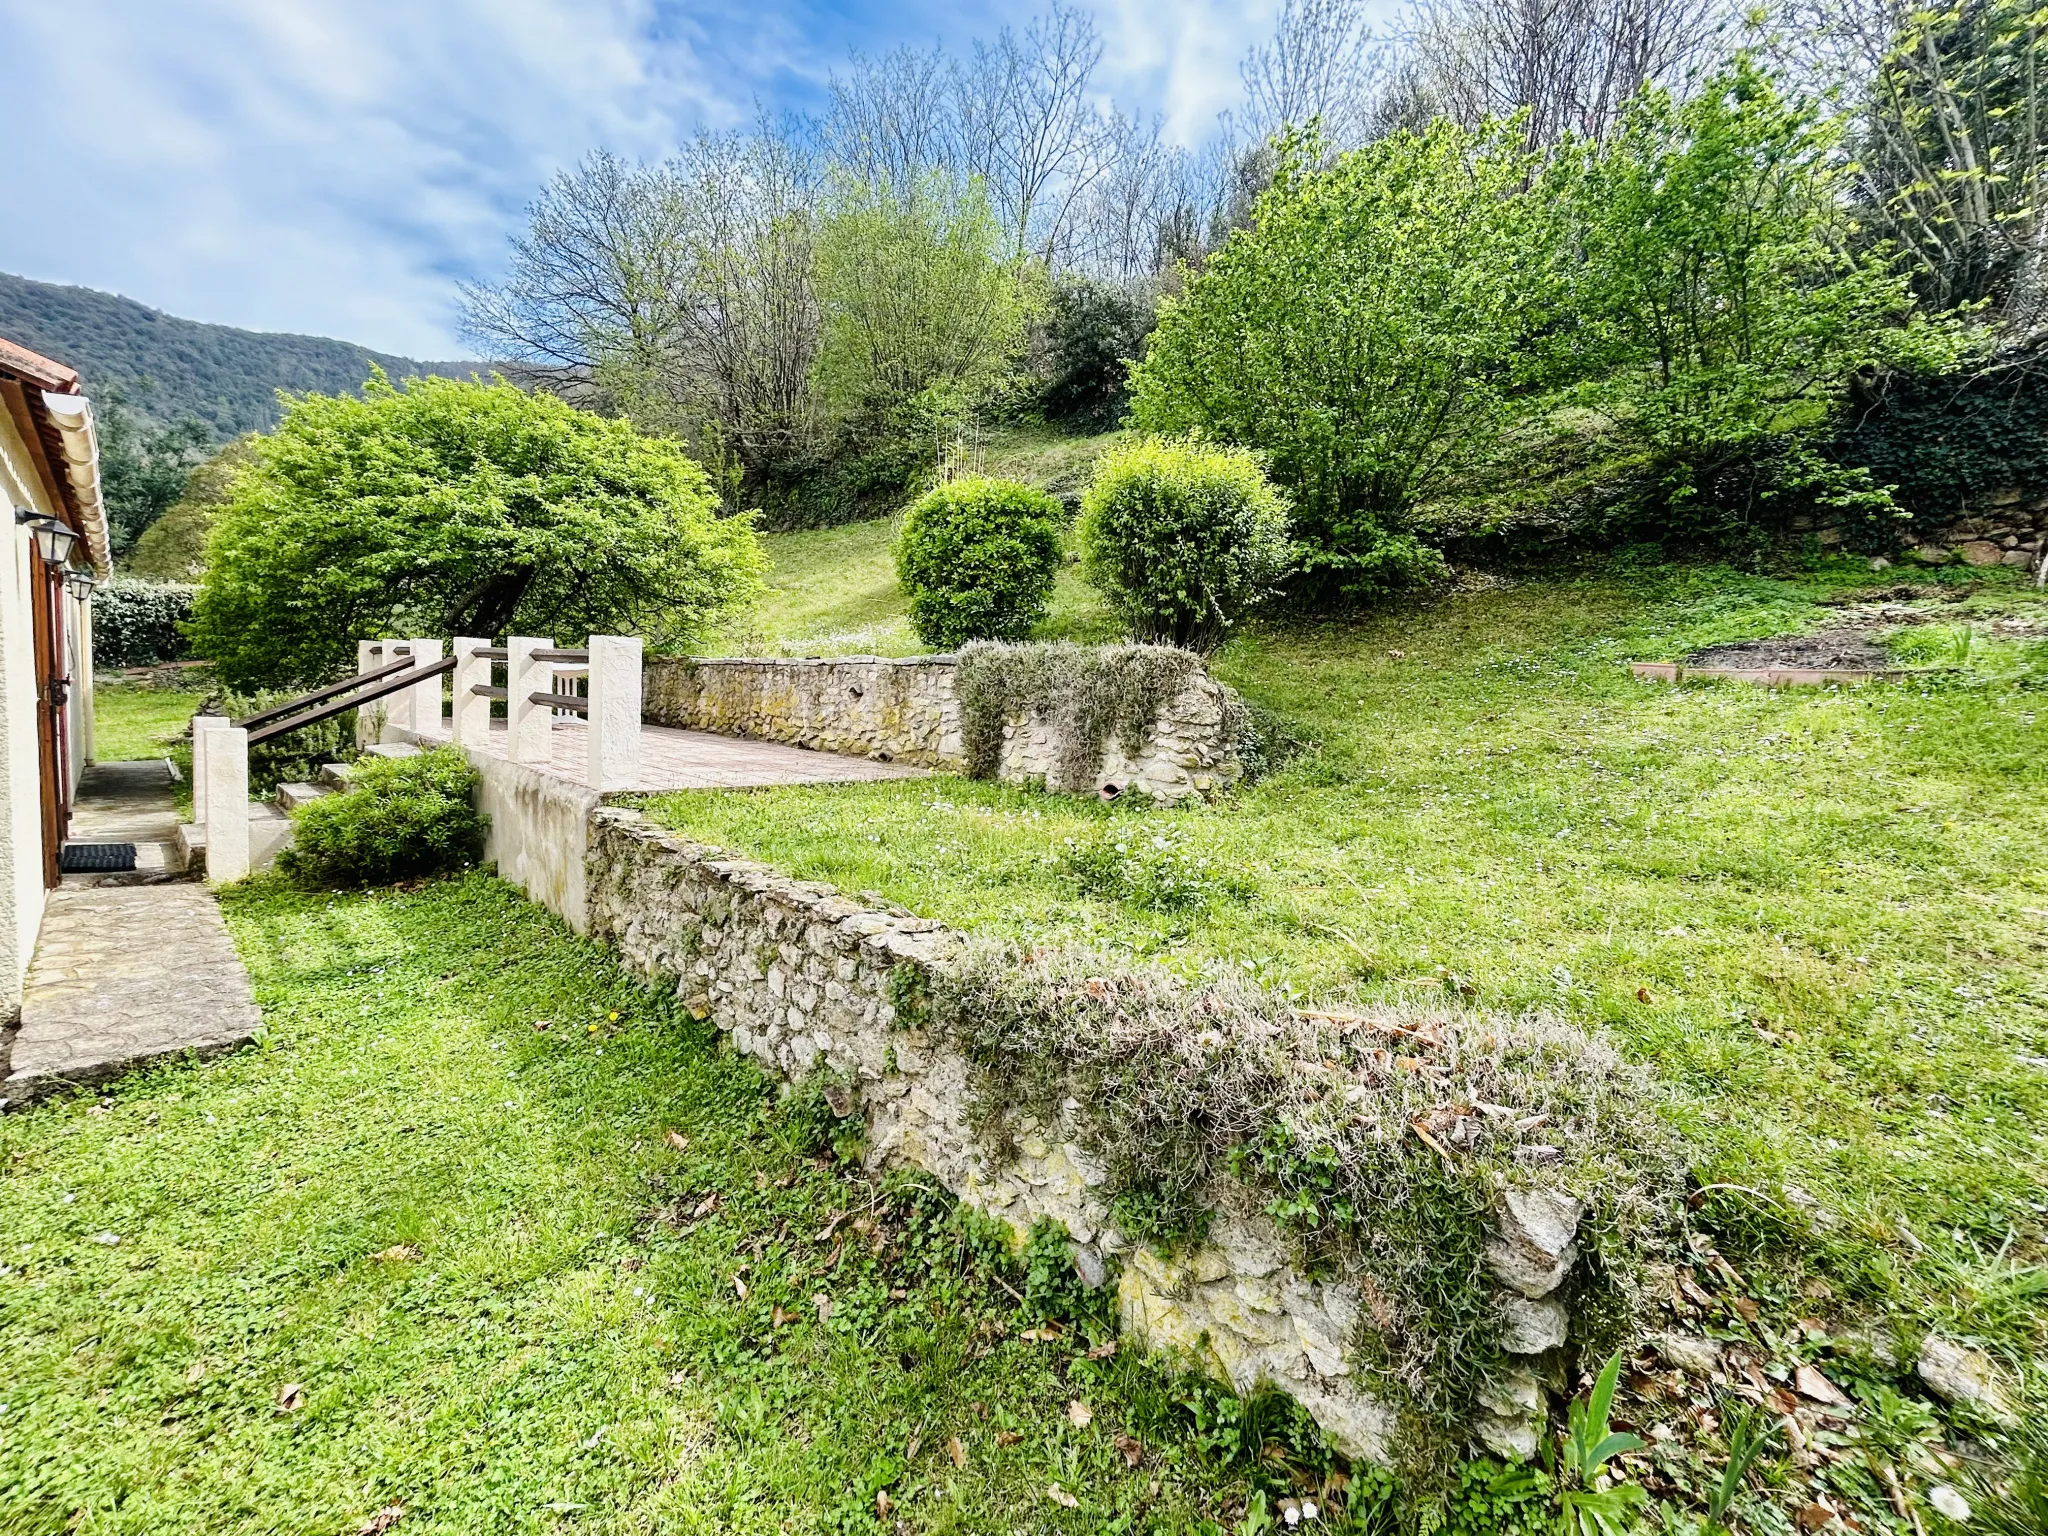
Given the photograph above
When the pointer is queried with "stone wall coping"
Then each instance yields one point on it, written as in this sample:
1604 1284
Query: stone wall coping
937 659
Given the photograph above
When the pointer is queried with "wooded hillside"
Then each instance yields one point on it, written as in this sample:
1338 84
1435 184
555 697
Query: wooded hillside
169 368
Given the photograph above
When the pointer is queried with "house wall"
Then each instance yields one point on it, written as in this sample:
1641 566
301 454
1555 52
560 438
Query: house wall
21 829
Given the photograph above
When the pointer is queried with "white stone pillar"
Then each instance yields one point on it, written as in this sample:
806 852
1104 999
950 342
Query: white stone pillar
529 727
397 706
470 713
614 734
426 694
202 727
227 797
366 661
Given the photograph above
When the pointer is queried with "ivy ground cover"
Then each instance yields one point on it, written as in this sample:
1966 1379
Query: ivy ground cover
483 1238
1820 913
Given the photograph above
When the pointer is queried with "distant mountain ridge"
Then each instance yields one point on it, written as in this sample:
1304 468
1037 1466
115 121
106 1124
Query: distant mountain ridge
169 368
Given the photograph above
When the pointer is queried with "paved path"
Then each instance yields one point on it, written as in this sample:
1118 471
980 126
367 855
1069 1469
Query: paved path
128 803
124 973
673 759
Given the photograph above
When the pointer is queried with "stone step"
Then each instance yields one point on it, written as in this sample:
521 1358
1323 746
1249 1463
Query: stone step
333 775
291 796
392 749
270 831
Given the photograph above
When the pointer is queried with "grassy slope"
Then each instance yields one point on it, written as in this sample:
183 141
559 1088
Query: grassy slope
486 1256
1818 912
833 592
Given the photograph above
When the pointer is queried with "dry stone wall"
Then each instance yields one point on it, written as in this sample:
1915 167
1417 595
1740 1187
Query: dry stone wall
909 711
799 976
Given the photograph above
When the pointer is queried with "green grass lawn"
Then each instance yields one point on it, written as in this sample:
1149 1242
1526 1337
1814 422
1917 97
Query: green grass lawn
483 1232
1819 913
130 721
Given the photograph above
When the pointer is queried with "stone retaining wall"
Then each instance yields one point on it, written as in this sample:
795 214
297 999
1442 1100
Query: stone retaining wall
908 711
799 976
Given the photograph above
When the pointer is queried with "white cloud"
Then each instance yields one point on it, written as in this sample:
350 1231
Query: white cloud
324 166
1182 60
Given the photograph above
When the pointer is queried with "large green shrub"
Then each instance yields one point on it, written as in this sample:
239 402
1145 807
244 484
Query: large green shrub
399 819
1183 537
977 558
1366 334
1085 343
137 623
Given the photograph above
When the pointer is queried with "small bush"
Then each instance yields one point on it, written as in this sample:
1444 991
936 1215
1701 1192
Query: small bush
136 623
1183 538
977 558
399 819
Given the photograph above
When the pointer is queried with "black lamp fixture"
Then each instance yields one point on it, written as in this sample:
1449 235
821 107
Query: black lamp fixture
54 542
81 584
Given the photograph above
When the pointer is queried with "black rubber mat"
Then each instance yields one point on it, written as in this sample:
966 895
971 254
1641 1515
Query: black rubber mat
96 858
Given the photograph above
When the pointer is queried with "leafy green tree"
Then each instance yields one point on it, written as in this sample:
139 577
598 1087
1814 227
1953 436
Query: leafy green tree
1718 310
459 509
918 304
173 548
1365 333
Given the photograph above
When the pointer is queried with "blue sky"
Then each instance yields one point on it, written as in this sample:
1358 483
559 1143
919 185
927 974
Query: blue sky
336 166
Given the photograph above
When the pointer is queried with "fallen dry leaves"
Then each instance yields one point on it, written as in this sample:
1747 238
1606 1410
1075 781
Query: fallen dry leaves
677 1140
957 1451
1061 1497
740 1286
398 1253
1132 1451
383 1520
1007 1437
291 1397
1079 1414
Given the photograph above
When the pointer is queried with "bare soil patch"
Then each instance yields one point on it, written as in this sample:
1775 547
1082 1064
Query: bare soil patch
1831 649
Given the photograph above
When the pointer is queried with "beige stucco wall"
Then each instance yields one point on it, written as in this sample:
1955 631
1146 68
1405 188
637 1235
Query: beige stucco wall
21 832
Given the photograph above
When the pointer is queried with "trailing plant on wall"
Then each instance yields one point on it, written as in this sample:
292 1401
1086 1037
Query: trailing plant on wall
1363 1135
1088 693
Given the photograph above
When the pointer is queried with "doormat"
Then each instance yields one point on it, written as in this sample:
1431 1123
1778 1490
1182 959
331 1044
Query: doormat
96 858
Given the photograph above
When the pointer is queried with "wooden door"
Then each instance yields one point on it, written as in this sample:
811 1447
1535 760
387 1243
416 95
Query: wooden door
49 647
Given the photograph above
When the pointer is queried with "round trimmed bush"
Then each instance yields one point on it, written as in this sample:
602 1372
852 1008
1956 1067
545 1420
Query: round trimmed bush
399 819
977 558
1183 538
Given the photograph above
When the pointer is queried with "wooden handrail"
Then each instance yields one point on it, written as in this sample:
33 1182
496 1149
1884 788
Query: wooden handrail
277 711
486 691
574 701
579 656
377 690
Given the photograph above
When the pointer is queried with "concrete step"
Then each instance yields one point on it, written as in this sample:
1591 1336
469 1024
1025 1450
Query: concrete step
392 749
270 831
333 775
291 796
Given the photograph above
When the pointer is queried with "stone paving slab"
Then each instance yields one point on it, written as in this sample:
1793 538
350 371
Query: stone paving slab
124 975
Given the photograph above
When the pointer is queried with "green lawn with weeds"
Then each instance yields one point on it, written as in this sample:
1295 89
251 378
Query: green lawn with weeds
1820 913
483 1237
132 720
